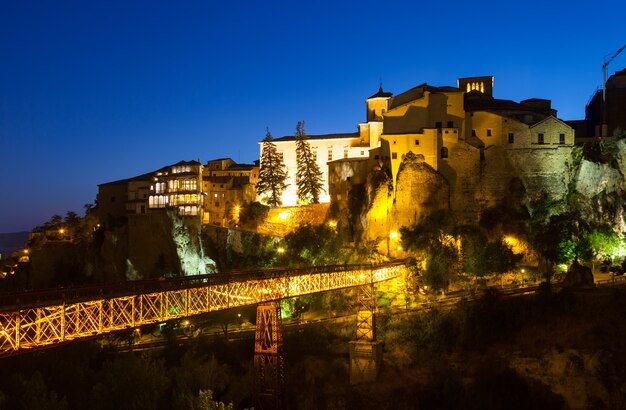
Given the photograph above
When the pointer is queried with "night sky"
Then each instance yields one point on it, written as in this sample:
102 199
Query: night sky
96 93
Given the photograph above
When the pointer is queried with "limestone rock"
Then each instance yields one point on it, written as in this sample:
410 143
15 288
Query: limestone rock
579 276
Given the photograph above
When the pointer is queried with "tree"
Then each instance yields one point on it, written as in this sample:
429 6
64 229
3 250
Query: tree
308 176
603 242
313 245
272 174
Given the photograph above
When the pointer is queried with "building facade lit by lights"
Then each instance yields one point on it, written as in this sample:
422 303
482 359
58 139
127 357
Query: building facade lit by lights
434 122
207 193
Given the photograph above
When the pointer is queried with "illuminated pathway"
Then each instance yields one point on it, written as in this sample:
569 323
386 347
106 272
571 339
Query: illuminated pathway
29 320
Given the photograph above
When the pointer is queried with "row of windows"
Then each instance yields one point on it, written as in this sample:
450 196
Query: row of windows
183 185
161 201
158 201
183 199
183 168
159 187
449 124
511 137
188 210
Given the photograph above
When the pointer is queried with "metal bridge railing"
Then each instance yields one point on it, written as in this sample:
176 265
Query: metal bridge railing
35 319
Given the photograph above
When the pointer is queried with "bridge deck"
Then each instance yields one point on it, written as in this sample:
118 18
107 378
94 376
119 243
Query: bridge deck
30 320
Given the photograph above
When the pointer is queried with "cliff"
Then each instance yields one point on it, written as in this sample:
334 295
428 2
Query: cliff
501 188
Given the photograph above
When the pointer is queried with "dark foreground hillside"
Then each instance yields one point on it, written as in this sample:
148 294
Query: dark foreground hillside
552 350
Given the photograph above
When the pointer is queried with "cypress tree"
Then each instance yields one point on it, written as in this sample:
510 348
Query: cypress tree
272 173
308 176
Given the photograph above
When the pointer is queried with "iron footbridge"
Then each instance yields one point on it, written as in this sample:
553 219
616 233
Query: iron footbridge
36 319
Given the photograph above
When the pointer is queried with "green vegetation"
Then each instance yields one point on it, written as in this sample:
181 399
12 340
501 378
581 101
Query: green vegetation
308 176
253 213
442 250
312 245
272 174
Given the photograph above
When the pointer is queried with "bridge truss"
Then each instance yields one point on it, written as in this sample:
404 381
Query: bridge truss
33 324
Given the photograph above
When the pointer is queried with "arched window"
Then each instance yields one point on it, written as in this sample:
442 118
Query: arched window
444 152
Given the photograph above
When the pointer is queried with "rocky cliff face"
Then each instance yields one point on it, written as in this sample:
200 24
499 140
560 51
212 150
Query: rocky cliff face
420 190
586 180
145 246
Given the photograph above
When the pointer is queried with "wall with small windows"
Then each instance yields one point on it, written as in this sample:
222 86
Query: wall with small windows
551 132
324 150
424 143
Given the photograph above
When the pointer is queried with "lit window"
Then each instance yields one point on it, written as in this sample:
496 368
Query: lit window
330 154
214 195
511 138
561 139
540 138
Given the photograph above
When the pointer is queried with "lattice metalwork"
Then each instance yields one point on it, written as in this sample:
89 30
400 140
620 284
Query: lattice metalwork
56 322
268 358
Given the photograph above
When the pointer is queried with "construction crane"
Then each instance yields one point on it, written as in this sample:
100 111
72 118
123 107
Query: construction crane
605 65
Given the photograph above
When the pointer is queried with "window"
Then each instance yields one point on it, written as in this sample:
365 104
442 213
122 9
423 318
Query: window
362 152
314 155
330 154
444 152
438 125
561 139
394 142
450 124
345 153
394 155
473 133
540 138
489 132
112 199
376 157
417 142
511 138
217 204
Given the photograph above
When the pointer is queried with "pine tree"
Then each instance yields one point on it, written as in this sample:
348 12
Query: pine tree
308 176
272 174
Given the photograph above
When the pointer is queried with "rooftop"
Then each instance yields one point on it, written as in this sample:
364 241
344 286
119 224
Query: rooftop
351 135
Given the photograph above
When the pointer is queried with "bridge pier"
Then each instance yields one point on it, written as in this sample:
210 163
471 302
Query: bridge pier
268 358
365 352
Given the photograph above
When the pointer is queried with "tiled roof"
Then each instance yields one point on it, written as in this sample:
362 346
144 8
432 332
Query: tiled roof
418 92
381 93
320 137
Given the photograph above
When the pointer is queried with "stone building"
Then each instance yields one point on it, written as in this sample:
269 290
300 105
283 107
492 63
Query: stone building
478 143
208 193
325 148
227 186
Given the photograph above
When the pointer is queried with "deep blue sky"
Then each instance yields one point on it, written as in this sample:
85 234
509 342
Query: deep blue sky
91 93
